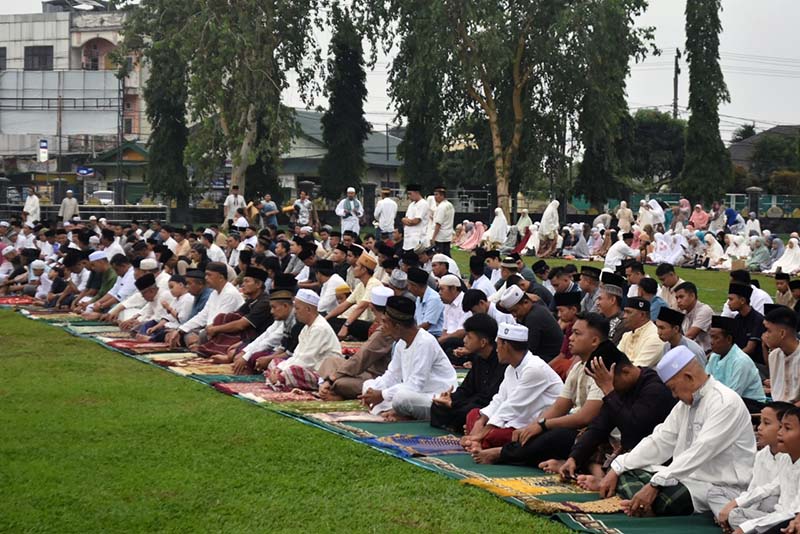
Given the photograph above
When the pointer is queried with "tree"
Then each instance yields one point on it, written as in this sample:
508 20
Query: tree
344 128
707 170
745 131
773 152
165 95
653 150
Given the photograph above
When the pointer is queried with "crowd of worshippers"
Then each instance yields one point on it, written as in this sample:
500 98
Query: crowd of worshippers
720 239
628 385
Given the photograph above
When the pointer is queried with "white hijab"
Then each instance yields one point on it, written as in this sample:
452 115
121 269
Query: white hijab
533 240
524 221
498 231
714 250
656 211
549 227
790 261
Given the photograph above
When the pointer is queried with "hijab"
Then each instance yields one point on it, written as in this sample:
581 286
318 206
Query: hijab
549 225
498 231
524 222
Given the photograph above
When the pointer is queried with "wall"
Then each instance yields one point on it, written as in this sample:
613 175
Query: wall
40 29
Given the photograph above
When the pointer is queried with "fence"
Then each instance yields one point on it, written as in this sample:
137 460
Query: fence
116 214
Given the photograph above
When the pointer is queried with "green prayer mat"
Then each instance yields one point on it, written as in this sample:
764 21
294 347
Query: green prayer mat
465 461
620 523
414 428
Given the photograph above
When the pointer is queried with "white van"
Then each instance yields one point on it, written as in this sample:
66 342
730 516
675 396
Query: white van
106 198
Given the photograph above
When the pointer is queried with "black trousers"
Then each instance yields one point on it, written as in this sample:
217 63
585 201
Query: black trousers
443 247
552 444
452 419
358 329
450 344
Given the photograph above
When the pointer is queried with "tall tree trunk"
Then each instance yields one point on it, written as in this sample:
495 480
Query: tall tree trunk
241 163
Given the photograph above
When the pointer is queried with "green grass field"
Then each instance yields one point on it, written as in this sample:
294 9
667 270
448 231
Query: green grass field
96 442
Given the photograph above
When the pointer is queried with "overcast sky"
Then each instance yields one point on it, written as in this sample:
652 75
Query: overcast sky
760 59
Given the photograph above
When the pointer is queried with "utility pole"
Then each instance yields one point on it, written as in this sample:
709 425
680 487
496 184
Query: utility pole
675 83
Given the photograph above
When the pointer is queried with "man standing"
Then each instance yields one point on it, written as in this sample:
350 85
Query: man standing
415 223
350 211
443 217
269 211
69 207
30 212
386 212
233 202
708 436
303 208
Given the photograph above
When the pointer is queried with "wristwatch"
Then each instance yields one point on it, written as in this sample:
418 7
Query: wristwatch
543 423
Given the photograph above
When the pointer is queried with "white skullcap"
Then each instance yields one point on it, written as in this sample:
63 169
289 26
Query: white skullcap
306 229
440 258
98 255
351 189
9 250
77 218
512 332
103 219
148 264
29 224
67 223
511 296
92 218
38 265
308 296
4 224
70 191
380 295
94 240
673 361
449 280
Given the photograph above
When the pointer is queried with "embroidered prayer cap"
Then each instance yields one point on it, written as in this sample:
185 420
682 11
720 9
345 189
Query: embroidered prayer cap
255 272
571 298
782 316
512 332
782 276
217 267
741 290
398 279
673 361
727 324
145 282
413 187
380 295
509 263
343 289
325 267
609 353
307 296
510 298
450 280
400 308
794 284
418 276
98 255
668 315
351 189
367 261
38 265
440 258
196 274
148 264
638 304
540 266
591 272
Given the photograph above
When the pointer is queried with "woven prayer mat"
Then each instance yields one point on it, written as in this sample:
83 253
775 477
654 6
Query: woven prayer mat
56 317
139 347
406 445
413 428
622 524
261 392
321 406
164 358
218 379
533 486
105 337
17 301
91 330
352 417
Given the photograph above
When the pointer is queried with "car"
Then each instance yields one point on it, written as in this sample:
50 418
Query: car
105 197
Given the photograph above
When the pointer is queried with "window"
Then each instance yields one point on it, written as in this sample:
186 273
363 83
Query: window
127 126
38 58
2 58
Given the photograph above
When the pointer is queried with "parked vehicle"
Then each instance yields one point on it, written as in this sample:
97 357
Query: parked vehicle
106 198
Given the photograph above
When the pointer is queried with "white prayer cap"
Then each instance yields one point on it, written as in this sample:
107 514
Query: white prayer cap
440 258
70 191
210 231
38 265
512 332
98 255
9 250
67 223
94 240
4 224
449 280
77 218
306 229
673 361
511 296
29 224
92 218
380 295
102 220
308 296
351 189
148 264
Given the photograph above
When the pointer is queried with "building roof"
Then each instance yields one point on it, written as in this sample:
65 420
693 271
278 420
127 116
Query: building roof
374 147
742 151
133 154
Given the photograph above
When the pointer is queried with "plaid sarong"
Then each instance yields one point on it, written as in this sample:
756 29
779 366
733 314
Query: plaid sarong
220 343
671 500
296 376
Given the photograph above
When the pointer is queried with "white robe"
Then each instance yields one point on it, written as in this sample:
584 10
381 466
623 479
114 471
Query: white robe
226 301
316 342
32 209
356 211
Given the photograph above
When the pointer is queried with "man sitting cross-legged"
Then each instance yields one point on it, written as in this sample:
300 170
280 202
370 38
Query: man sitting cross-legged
529 386
635 401
419 368
343 379
317 341
450 408
707 435
580 400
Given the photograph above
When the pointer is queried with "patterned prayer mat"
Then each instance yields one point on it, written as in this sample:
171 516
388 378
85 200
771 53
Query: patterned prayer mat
260 392
349 348
17 301
353 417
195 365
54 317
164 358
320 406
407 445
90 330
524 486
139 347
611 505
112 335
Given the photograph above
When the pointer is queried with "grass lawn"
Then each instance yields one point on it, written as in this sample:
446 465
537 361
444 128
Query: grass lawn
96 442
712 285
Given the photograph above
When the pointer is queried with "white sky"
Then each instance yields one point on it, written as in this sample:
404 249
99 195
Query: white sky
760 59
